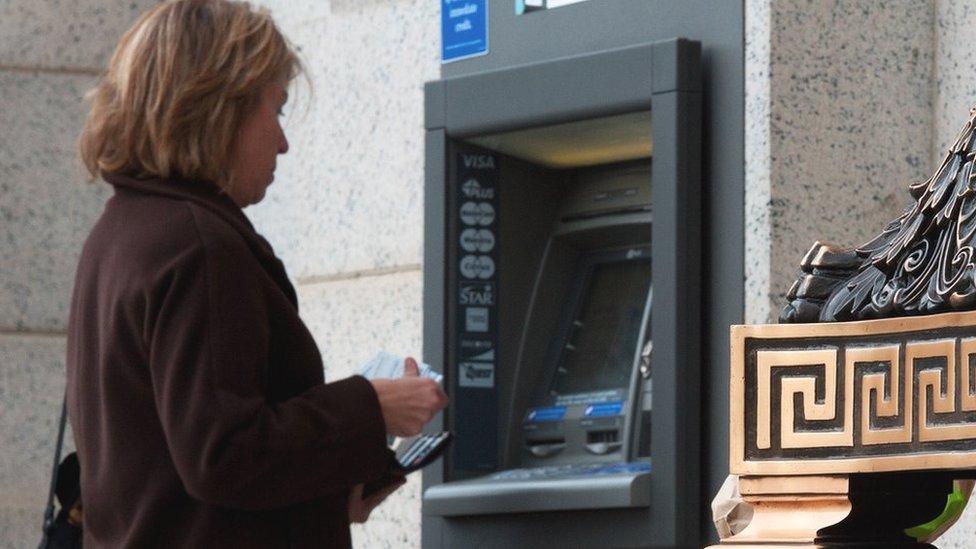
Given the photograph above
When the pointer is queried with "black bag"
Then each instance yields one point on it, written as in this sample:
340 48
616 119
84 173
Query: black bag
58 532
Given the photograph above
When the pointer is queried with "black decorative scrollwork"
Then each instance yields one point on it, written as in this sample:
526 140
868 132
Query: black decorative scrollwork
923 262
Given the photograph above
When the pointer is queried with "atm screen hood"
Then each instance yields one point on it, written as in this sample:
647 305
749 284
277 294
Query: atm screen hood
580 143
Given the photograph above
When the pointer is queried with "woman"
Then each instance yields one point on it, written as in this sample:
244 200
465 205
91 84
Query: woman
195 391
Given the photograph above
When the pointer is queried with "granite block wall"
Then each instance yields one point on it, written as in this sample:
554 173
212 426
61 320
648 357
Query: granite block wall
31 383
346 210
47 205
955 79
839 120
758 181
348 196
954 94
71 35
50 54
352 319
846 103
345 214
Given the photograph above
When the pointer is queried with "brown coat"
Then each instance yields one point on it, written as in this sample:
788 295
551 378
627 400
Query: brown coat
196 393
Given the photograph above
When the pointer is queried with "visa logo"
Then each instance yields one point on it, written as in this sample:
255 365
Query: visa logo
478 161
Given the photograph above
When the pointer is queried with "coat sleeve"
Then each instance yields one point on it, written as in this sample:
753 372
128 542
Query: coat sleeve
209 362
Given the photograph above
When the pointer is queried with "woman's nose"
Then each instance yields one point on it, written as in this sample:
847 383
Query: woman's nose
283 145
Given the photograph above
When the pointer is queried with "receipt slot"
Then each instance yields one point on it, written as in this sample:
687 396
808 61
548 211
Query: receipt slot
561 295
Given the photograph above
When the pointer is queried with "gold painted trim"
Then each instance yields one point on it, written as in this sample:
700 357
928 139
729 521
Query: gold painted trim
806 386
885 407
958 352
941 403
967 347
857 328
794 485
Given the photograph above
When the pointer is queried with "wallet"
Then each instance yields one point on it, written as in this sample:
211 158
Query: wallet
412 454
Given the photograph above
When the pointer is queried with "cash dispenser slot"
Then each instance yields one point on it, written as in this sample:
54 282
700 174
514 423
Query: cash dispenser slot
603 442
545 447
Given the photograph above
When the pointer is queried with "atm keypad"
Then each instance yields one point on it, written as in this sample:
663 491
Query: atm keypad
572 470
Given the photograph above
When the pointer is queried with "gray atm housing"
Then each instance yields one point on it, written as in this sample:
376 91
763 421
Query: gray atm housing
494 95
662 78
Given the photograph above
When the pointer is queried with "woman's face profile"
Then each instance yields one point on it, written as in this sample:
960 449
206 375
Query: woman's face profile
260 141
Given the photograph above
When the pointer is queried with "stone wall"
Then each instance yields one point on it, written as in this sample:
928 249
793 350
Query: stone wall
346 214
953 94
50 53
847 102
838 122
346 211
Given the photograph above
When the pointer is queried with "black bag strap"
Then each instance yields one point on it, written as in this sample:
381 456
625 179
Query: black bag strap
49 511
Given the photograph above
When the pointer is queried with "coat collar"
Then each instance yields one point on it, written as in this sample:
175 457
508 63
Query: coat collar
209 195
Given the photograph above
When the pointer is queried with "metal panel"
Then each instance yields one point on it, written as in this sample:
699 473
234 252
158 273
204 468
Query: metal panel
596 25
593 492
675 318
516 98
587 86
435 299
434 102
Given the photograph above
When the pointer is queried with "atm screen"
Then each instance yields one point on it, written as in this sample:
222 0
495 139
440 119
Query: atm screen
604 334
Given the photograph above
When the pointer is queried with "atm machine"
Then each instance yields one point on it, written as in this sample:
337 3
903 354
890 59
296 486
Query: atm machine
561 269
563 296
577 432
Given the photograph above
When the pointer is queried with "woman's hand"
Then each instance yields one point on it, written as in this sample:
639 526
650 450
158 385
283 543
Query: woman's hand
360 508
409 402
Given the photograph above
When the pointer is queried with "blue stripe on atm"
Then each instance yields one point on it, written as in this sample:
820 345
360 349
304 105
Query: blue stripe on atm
604 409
551 413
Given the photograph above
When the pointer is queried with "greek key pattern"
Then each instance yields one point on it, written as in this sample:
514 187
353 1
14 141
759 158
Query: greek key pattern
882 395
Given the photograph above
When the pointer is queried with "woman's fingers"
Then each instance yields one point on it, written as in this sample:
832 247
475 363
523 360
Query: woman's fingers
408 403
410 367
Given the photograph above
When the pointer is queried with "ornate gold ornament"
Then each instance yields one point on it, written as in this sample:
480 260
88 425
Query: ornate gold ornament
923 262
850 420
869 396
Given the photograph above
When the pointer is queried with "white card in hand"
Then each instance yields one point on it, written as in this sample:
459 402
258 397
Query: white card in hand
386 365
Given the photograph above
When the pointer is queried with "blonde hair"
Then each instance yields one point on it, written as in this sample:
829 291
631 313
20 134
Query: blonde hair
178 87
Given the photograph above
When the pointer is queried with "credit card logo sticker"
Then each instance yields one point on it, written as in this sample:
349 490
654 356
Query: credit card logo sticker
476 374
473 189
488 355
549 413
477 266
478 161
471 348
477 213
476 293
477 240
604 409
476 319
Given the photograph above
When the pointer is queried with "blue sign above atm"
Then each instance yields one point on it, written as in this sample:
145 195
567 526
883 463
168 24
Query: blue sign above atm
464 29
